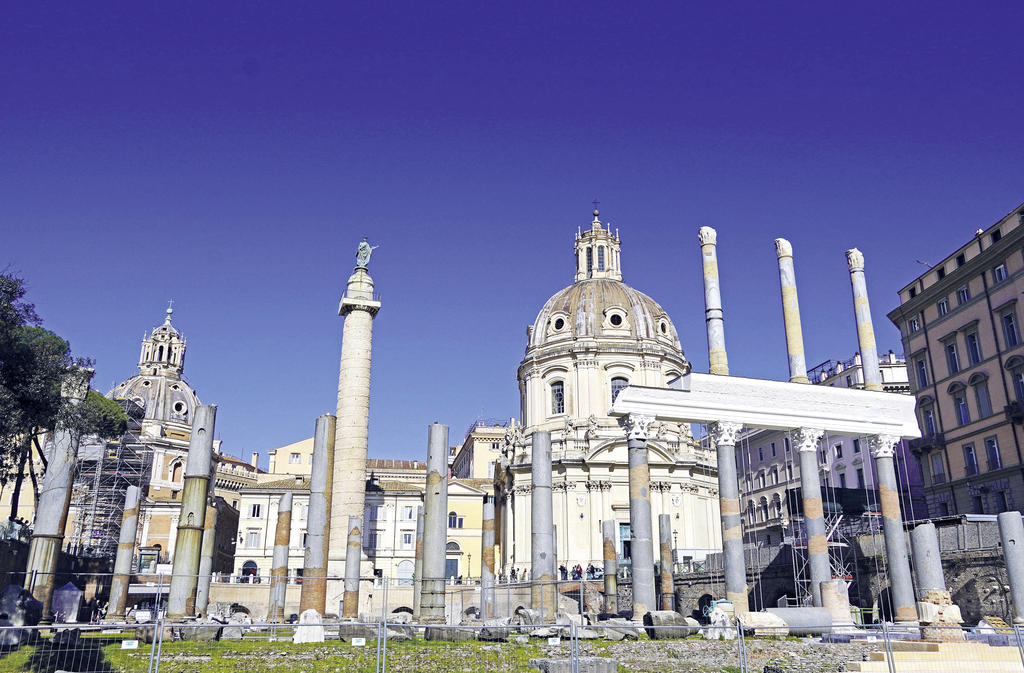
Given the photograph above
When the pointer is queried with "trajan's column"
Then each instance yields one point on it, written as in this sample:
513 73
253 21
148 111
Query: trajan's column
359 306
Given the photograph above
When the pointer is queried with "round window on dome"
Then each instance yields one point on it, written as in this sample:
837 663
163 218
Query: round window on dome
559 324
615 319
664 328
179 407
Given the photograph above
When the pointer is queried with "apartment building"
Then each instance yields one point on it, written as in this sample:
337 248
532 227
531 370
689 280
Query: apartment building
960 323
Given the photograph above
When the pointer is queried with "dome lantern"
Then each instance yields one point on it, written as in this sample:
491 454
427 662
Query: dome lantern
597 252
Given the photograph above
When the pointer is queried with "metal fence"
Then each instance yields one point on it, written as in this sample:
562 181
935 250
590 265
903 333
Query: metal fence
385 637
184 647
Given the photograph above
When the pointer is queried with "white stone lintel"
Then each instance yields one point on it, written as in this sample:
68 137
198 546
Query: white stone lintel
773 405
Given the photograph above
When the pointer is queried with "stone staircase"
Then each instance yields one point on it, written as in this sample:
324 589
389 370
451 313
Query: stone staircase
927 657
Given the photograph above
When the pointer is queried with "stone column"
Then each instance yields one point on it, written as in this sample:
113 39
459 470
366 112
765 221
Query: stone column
279 567
665 542
123 561
900 583
435 526
611 567
181 595
806 441
417 573
487 560
719 363
865 329
359 306
52 508
935 607
724 436
1011 533
543 591
206 558
791 313
641 533
313 595
350 603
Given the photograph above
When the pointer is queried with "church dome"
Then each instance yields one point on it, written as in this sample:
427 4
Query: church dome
159 388
602 307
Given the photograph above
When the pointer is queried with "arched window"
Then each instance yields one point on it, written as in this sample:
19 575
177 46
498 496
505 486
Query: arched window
455 521
557 397
452 548
160 353
249 572
405 571
1016 367
980 384
618 383
176 472
600 258
958 391
750 511
590 261
763 509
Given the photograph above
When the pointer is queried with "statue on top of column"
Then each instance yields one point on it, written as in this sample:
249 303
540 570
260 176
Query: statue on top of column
363 252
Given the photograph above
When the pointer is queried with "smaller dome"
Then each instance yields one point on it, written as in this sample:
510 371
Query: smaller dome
601 307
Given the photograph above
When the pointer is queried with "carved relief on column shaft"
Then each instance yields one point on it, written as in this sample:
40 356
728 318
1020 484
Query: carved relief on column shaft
637 426
806 439
883 446
724 432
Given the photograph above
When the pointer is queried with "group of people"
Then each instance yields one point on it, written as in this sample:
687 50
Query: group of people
576 572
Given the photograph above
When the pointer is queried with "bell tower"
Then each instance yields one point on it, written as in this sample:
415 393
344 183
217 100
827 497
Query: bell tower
597 253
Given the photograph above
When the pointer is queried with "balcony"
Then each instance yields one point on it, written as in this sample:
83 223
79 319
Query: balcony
926 443
1015 412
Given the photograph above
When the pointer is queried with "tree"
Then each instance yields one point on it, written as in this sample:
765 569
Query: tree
34 363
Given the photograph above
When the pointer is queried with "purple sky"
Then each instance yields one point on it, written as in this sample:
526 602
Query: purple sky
231 158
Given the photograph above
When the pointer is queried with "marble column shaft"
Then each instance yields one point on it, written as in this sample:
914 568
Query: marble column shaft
611 567
641 529
417 581
350 602
487 560
806 442
719 363
125 552
665 544
359 307
865 329
313 595
900 580
181 595
206 557
724 436
1011 534
53 502
435 526
543 591
924 546
279 567
791 312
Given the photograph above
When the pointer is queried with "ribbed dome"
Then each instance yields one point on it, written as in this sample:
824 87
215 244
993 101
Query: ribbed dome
601 307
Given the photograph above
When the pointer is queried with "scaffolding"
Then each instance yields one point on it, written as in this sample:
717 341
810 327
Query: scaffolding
105 471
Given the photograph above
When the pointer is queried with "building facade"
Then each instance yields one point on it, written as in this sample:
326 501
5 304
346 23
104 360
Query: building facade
960 324
588 342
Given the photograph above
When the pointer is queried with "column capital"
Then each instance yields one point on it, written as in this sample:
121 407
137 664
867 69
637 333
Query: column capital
636 426
883 446
806 439
783 248
855 259
707 236
724 432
